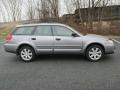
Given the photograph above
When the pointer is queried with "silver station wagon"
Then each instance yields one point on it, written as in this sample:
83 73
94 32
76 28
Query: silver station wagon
29 40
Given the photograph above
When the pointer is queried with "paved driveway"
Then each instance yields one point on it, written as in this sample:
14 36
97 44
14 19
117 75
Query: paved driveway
59 72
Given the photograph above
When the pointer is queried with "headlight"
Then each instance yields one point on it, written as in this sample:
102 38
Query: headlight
110 41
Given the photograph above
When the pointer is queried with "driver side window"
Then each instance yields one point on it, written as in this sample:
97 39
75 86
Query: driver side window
61 31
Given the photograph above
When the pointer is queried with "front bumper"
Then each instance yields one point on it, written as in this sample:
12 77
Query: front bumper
109 48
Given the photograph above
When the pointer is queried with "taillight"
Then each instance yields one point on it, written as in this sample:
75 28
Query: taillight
9 37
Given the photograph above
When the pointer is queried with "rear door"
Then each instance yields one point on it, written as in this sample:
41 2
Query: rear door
43 39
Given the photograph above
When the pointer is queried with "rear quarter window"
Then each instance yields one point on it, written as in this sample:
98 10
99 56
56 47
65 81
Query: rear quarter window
23 31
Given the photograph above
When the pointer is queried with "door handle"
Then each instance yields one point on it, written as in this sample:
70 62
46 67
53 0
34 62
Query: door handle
33 38
58 39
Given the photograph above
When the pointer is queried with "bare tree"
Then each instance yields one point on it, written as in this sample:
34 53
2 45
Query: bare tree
48 9
30 9
54 6
45 8
88 7
5 10
91 10
13 9
69 6
2 14
39 10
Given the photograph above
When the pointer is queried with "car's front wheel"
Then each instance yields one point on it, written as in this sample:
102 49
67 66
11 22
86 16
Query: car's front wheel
26 53
94 52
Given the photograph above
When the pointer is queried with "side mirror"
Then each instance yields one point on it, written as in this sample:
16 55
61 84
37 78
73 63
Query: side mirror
74 35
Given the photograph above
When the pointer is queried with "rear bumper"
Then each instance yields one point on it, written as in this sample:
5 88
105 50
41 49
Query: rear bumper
11 48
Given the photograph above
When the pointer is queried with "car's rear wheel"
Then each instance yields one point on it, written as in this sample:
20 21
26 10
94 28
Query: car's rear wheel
26 53
94 53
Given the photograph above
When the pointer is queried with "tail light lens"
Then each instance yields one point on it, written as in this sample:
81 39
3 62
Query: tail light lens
9 37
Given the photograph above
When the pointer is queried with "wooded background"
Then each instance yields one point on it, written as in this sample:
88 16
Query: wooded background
87 16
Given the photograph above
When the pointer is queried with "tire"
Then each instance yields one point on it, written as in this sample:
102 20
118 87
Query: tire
26 53
94 53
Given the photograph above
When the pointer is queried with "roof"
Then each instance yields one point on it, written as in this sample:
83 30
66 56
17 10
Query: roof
40 24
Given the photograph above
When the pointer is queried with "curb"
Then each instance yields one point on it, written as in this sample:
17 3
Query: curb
118 42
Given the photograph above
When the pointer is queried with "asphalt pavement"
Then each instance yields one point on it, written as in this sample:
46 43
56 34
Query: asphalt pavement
59 72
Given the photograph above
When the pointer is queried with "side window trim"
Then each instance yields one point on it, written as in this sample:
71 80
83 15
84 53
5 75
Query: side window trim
51 29
34 30
51 26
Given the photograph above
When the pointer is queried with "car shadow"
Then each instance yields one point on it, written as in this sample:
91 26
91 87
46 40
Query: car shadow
68 57
61 58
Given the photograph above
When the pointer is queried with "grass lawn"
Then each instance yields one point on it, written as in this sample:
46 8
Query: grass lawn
118 39
114 37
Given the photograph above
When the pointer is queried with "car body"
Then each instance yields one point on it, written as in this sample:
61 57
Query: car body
55 38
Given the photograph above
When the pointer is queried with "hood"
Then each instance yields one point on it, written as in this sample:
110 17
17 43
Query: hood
94 36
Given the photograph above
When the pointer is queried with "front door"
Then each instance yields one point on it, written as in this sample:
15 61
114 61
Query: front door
64 42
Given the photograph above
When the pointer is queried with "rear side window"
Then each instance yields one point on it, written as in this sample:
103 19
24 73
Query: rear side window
43 31
23 31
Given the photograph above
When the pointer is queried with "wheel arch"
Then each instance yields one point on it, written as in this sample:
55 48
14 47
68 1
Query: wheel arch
99 44
24 44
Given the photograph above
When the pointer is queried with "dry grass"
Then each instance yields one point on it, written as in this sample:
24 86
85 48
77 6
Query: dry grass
112 29
113 36
5 29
